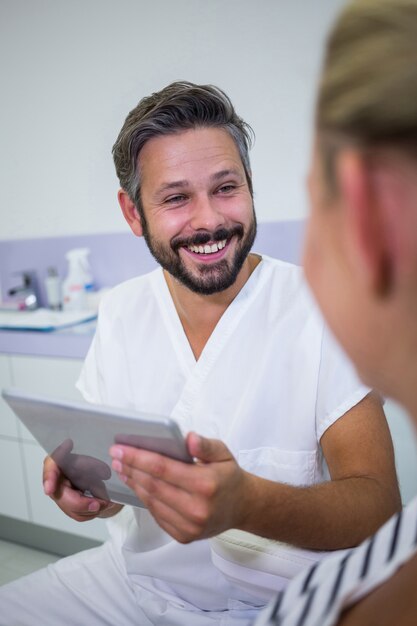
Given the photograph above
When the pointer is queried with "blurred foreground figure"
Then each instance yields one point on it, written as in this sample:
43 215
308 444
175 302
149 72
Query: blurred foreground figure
361 262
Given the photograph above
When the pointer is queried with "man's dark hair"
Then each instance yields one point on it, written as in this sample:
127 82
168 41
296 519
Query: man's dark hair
178 107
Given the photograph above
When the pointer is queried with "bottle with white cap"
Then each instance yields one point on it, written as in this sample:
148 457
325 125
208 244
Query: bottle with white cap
53 289
78 281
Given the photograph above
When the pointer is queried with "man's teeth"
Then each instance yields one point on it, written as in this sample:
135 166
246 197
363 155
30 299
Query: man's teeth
208 248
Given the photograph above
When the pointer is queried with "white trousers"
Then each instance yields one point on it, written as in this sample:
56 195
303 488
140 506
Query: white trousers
92 589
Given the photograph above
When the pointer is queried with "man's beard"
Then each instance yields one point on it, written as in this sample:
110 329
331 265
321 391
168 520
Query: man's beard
210 278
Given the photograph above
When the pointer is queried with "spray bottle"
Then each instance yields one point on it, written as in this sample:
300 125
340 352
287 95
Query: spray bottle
78 281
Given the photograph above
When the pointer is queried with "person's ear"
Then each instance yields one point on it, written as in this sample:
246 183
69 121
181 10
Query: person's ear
364 222
130 212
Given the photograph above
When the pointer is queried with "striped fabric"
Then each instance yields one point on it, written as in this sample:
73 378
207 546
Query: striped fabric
317 596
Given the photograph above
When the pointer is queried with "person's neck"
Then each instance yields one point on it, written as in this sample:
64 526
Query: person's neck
199 314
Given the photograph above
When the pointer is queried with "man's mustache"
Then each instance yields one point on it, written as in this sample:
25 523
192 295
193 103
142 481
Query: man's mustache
204 236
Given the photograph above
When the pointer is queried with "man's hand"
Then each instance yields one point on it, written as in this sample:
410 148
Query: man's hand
189 501
71 501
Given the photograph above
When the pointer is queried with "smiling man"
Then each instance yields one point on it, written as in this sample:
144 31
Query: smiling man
230 345
202 242
201 239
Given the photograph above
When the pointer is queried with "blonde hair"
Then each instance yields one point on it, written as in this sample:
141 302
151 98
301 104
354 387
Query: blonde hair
368 89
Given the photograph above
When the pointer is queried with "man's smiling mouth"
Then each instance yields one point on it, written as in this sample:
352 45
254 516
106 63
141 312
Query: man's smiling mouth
208 248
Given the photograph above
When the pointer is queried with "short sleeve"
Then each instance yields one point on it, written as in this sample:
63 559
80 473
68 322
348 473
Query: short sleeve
339 387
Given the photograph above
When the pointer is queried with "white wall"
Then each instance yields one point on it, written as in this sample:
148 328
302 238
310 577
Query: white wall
72 69
404 437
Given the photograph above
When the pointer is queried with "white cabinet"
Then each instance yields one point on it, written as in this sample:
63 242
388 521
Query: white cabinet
13 489
21 458
8 420
50 376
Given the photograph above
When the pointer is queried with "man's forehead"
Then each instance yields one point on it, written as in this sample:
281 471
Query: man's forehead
194 144
178 155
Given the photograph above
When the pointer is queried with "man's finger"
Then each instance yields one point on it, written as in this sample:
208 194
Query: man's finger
207 450
127 460
51 476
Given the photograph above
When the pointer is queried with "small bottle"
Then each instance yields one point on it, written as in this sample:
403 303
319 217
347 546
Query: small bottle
53 289
78 280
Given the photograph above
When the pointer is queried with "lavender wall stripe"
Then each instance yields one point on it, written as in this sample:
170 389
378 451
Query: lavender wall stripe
114 258
117 256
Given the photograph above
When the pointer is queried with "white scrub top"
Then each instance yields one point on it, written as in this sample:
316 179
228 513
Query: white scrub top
269 382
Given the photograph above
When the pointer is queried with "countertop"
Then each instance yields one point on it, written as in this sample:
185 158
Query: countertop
70 342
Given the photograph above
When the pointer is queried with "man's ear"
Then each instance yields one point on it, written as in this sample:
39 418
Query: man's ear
364 222
130 212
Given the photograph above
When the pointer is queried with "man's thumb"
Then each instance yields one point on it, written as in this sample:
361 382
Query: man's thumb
207 450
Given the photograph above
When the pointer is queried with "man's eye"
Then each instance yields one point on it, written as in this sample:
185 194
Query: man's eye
174 199
226 188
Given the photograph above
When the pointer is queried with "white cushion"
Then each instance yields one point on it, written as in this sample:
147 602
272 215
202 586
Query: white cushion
260 566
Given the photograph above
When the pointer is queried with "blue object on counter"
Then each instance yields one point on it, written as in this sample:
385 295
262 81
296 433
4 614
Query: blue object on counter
44 320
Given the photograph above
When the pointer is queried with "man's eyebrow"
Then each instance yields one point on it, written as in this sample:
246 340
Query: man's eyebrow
172 185
225 173
175 184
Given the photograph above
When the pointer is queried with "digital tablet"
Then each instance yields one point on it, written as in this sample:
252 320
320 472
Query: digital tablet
78 437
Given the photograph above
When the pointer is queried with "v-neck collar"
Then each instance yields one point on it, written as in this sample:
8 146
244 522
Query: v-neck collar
176 331
196 373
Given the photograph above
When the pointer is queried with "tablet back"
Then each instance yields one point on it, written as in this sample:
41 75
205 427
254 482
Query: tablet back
78 437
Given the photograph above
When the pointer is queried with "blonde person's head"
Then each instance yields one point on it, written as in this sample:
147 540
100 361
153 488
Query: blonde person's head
368 89
360 252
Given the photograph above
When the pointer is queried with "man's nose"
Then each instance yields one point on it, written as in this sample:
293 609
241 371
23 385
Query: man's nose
206 214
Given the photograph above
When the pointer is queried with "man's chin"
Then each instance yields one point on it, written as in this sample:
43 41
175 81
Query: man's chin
209 282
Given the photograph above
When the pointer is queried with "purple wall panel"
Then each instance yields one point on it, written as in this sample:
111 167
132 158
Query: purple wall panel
119 256
114 258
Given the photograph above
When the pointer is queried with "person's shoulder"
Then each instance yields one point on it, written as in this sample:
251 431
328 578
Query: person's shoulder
283 275
281 268
287 289
125 295
392 601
